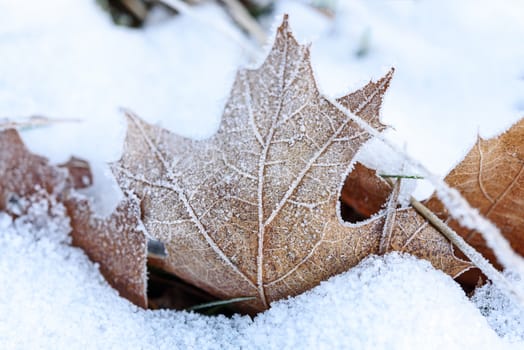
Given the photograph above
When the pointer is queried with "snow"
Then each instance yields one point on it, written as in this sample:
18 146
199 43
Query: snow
506 318
54 297
459 68
92 69
459 71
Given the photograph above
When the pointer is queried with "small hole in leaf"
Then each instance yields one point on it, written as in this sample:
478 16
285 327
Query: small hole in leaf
363 195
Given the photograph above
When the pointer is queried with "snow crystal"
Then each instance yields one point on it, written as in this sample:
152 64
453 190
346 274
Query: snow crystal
504 315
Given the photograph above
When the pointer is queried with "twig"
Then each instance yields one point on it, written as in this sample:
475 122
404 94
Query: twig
32 122
136 7
473 255
239 13
183 8
395 176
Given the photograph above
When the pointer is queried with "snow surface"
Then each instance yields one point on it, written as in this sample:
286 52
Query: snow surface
459 71
53 297
503 315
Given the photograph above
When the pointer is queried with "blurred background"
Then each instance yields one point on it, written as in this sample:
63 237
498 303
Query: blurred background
459 69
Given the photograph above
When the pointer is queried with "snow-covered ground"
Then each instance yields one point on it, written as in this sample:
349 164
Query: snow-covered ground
52 297
460 70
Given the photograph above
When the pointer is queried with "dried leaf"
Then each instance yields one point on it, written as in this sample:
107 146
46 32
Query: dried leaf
252 210
79 172
26 175
491 179
116 242
364 191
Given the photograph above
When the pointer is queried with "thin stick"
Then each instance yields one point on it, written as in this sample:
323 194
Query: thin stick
239 13
32 122
476 258
395 176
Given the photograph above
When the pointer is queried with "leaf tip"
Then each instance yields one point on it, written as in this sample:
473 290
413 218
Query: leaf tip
284 30
284 26
389 75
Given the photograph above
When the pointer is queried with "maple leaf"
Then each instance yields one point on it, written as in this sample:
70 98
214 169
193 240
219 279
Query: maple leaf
491 179
252 211
117 243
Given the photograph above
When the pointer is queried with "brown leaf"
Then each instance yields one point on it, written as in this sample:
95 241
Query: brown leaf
491 179
364 191
79 172
26 175
116 242
252 210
